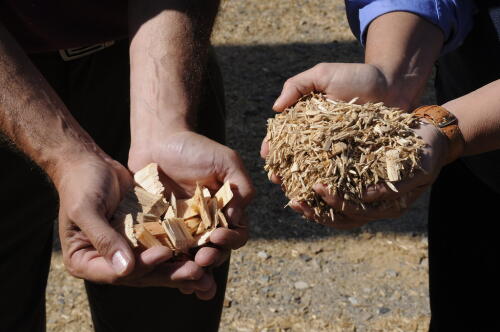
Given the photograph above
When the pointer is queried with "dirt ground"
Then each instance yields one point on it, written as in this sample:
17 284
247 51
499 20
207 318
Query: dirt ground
293 275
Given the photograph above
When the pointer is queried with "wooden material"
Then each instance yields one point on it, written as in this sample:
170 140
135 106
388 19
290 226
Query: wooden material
149 179
145 237
224 195
186 208
178 233
155 228
138 200
201 204
147 219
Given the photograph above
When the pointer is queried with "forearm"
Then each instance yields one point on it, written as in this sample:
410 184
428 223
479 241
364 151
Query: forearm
31 114
169 43
404 47
478 116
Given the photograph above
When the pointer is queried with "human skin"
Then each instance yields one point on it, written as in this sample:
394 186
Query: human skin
398 63
166 73
90 184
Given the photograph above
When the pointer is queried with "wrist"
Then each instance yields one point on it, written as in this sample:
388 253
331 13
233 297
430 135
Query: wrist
397 93
71 156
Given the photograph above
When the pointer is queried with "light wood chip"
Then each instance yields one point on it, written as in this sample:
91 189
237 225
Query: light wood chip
178 234
192 224
149 179
186 208
222 219
138 200
155 228
201 206
224 195
145 237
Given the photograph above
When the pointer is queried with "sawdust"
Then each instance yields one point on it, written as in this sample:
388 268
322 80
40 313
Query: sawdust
346 146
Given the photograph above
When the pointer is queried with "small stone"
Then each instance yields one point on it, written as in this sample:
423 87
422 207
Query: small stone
264 279
424 261
227 302
383 310
367 289
391 273
263 255
273 309
305 257
301 285
353 300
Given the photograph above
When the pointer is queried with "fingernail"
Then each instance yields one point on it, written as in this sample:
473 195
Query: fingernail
119 262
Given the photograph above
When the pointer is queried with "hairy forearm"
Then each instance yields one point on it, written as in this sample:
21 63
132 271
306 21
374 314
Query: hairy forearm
169 43
404 47
31 114
478 116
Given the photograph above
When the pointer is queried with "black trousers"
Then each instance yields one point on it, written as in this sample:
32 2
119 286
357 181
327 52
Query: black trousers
96 90
464 255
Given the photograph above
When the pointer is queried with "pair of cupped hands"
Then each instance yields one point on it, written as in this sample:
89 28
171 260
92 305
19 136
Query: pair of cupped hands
91 187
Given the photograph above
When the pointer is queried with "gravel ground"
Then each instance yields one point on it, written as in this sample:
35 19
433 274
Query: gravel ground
293 275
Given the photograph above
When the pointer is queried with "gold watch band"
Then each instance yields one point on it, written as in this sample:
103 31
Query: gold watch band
448 124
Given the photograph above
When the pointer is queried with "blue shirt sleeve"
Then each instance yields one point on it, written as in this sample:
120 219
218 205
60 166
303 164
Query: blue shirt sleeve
453 17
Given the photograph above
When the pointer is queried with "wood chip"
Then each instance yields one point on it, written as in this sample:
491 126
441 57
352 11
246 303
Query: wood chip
178 234
224 195
155 228
138 200
145 237
149 179
186 208
222 219
201 206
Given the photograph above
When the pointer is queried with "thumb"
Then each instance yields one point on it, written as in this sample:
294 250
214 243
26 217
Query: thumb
111 245
298 86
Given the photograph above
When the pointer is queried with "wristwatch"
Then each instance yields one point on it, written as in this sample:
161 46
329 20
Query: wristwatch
447 124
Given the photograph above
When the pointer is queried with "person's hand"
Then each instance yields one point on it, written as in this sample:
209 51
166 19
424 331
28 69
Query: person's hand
349 216
339 81
186 158
345 81
90 188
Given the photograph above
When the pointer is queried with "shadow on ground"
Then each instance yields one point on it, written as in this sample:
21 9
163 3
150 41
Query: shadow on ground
253 77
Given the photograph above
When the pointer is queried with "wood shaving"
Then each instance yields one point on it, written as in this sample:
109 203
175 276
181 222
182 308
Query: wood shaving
345 146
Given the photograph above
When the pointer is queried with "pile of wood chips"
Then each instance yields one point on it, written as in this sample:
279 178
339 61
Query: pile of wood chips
148 219
346 146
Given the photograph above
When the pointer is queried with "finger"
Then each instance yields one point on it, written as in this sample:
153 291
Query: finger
186 291
241 184
181 271
264 148
275 179
296 87
382 192
305 209
230 238
208 256
207 295
332 200
105 239
154 256
206 283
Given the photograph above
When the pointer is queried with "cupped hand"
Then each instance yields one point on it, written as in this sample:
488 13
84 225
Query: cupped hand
90 188
339 81
187 158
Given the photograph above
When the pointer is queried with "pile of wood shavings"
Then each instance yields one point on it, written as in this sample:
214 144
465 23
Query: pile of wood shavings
346 146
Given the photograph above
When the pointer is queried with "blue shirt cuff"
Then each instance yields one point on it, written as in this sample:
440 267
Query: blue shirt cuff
454 18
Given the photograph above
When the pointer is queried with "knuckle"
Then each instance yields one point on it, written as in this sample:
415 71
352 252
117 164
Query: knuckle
102 243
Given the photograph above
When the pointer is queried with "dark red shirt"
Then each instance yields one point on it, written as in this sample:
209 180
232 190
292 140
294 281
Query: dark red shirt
48 25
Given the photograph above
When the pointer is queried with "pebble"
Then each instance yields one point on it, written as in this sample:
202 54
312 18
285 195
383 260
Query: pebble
305 257
263 255
391 273
383 310
353 300
264 279
301 285
365 316
227 302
